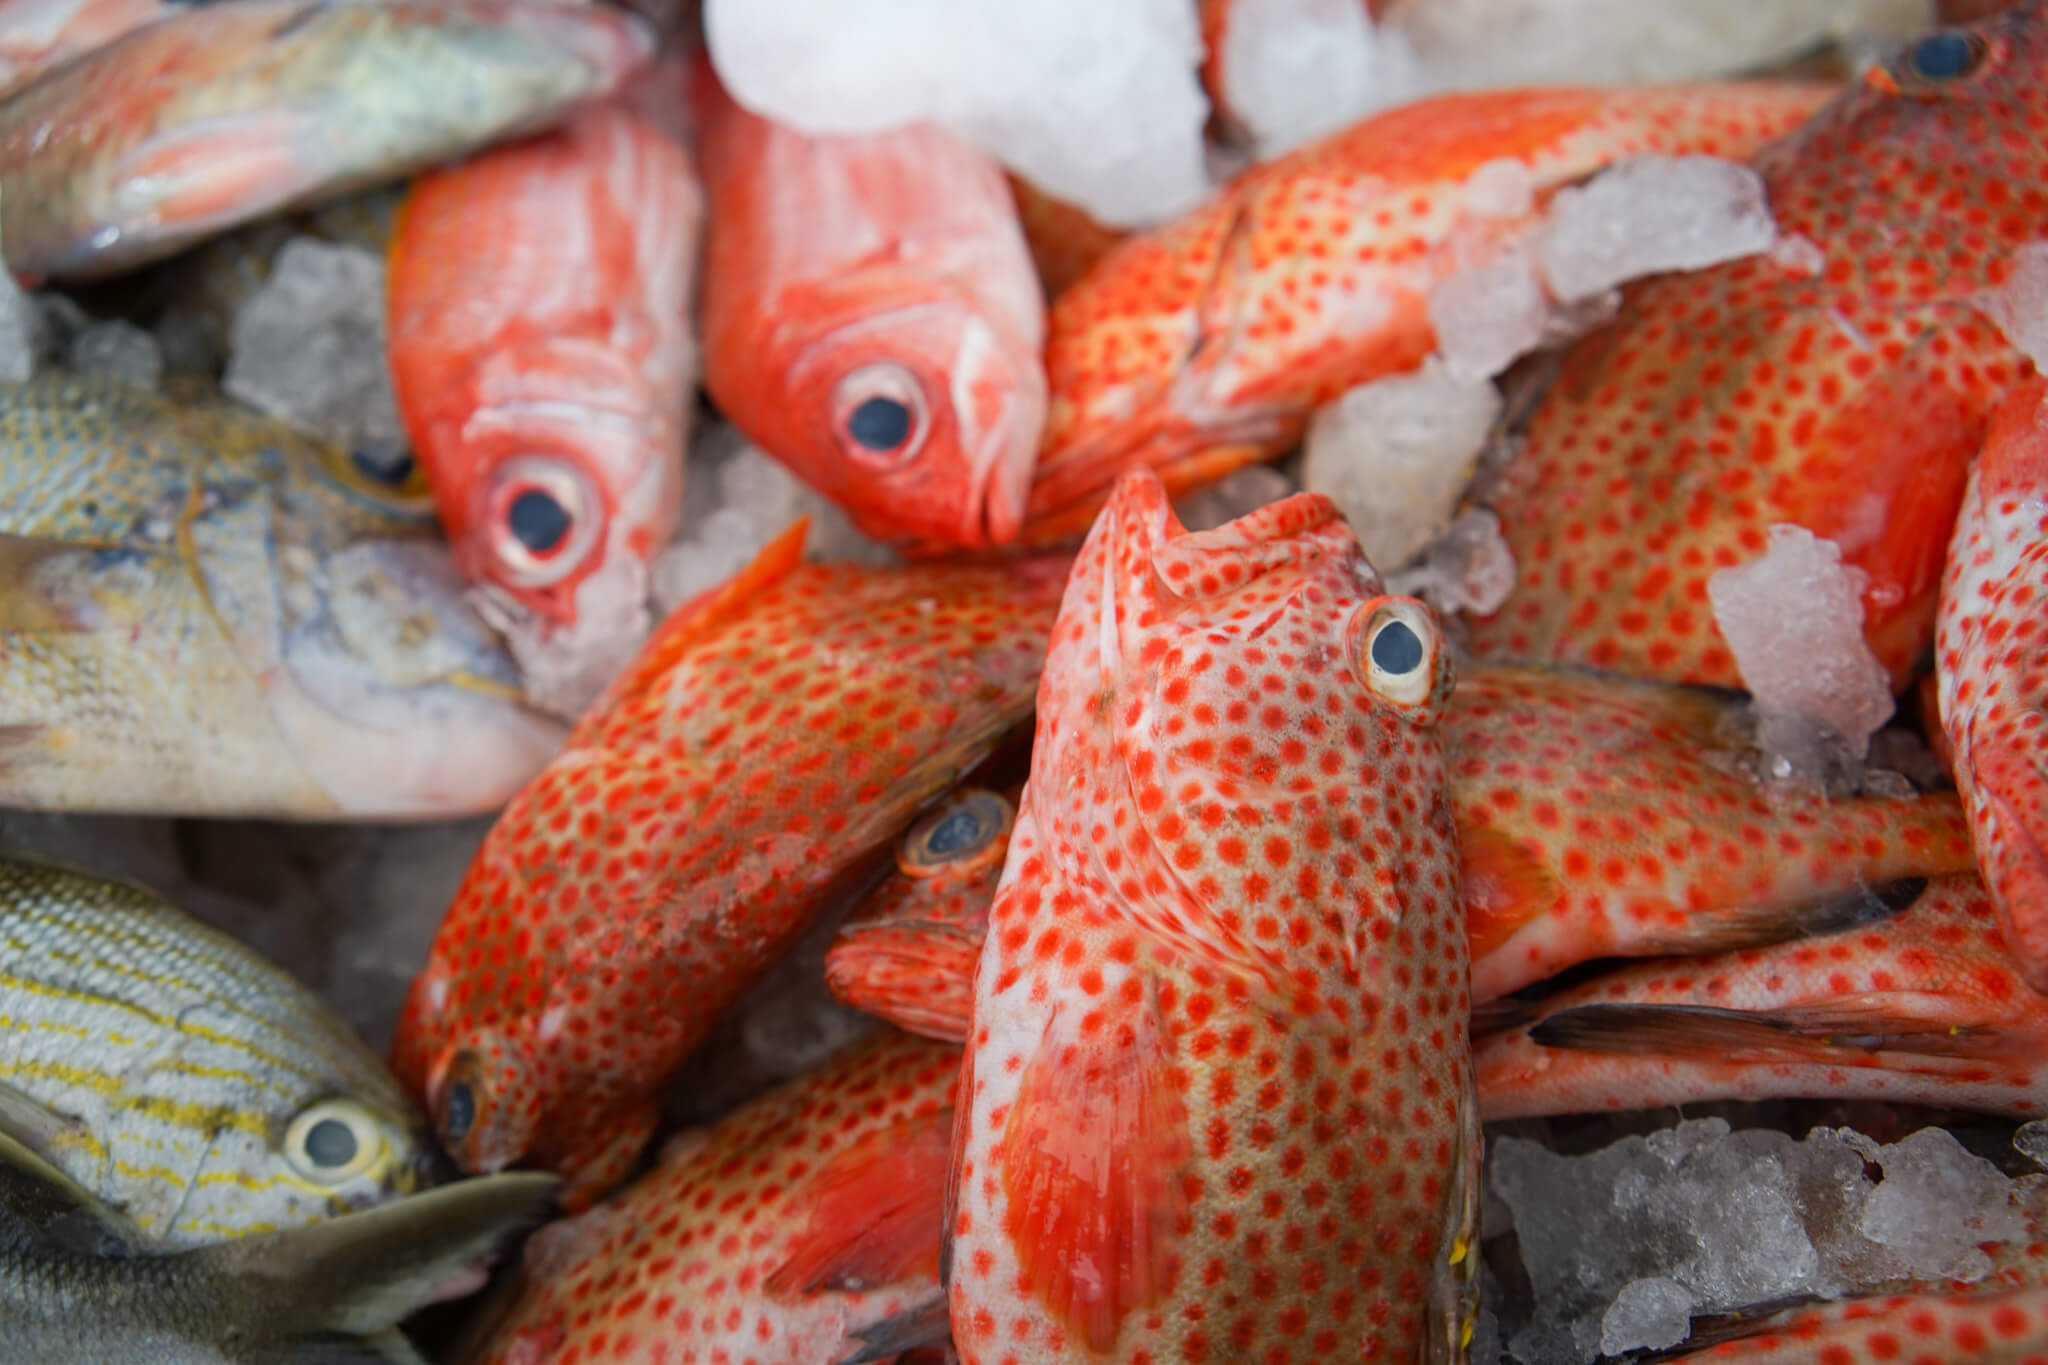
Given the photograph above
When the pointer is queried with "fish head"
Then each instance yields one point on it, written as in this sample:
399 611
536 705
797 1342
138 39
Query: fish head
482 1096
345 1152
566 462
913 408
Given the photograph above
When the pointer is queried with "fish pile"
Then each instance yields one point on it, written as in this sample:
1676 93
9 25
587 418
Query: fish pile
767 683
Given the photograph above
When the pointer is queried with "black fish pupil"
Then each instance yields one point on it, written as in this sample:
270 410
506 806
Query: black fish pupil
1397 649
458 1113
330 1142
879 424
538 521
1944 56
956 833
383 464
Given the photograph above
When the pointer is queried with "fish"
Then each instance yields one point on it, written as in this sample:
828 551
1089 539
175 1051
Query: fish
871 319
540 345
207 614
1205 344
772 734
187 1082
1597 817
1991 688
222 114
908 953
38 35
1843 386
1065 242
75 1285
801 1228
1215 1101
2004 1327
1925 1007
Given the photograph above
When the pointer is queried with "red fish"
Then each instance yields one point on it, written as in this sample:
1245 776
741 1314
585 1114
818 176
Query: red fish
225 113
800 1229
772 733
908 955
1927 1007
872 320
1992 668
2008 1327
1215 1104
539 340
1205 344
1597 817
1845 392
36 35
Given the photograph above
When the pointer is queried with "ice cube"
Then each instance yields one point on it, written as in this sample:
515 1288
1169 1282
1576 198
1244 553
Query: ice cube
1794 620
1241 491
1936 1204
564 667
308 347
1293 70
1651 214
2020 305
118 350
1467 568
1490 315
1396 454
2031 1141
21 331
1094 101
1652 1313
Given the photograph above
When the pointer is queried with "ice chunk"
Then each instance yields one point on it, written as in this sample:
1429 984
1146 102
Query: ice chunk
1649 214
1652 1313
1396 454
1937 1203
2031 1142
1240 491
2020 305
21 331
1467 568
1292 70
563 668
1094 101
735 500
1794 620
1489 316
309 345
118 350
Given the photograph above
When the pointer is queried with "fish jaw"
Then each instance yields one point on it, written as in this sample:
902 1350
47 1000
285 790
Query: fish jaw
975 391
1992 669
1183 906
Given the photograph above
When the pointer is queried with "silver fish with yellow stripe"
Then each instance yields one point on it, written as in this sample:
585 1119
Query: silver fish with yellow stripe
181 1078
203 612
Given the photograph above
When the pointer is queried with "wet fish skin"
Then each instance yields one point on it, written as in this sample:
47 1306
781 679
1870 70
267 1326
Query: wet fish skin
772 733
1227 917
222 114
39 35
208 614
190 1084
1926 1007
1843 386
75 1290
2008 1327
801 1228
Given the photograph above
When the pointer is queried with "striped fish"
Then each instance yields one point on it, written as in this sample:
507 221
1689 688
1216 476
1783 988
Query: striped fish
178 1076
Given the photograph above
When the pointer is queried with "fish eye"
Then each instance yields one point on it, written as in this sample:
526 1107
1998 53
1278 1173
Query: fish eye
388 464
1400 646
545 518
333 1140
458 1113
1945 56
961 833
879 415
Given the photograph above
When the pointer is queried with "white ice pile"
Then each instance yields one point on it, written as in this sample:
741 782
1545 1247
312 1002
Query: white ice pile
308 347
1793 618
735 500
1095 101
1293 70
1625 1245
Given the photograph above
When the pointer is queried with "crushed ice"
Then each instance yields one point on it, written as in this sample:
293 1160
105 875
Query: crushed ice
1650 214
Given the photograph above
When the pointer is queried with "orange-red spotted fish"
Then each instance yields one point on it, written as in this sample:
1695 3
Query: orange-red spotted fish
538 300
1216 1103
225 113
1205 344
1843 386
872 320
1991 665
1953 1327
798 1230
772 733
908 954
1597 817
1927 1007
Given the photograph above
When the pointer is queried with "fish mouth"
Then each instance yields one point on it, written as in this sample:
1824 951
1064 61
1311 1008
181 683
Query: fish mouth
999 401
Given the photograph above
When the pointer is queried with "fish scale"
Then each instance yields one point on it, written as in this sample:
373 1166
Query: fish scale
1216 1103
772 734
1843 387
175 1061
